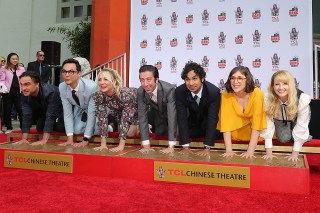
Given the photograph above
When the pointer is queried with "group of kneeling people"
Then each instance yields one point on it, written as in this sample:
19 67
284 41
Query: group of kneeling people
195 109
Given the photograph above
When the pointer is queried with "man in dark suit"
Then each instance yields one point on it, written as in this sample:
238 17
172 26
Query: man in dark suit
156 108
41 104
197 103
40 67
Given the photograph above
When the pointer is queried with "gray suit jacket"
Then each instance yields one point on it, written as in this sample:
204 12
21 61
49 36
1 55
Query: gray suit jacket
86 89
165 119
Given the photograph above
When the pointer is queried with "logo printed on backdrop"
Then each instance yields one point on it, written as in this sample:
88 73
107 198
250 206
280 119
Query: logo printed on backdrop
222 63
275 59
275 38
256 36
173 0
256 14
158 65
297 83
238 39
144 44
174 42
144 22
158 42
158 21
275 11
189 41
239 61
173 64
257 83
190 61
256 63
174 20
158 3
189 1
205 63
189 19
221 85
205 41
144 2
222 16
222 40
238 15
294 11
143 62
294 36
205 17
294 62
277 34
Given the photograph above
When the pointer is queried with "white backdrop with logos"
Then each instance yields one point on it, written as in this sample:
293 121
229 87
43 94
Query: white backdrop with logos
221 34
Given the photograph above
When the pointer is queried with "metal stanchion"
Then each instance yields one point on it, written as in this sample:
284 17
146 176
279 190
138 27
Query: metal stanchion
55 78
316 70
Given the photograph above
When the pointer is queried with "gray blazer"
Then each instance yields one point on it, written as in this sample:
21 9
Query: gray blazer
165 119
86 89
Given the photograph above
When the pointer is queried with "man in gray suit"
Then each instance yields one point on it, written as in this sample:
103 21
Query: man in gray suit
156 108
78 105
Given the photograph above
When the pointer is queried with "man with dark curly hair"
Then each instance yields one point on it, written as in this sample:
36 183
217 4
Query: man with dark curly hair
197 104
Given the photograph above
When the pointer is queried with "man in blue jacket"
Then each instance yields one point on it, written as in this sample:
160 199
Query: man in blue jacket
41 105
79 110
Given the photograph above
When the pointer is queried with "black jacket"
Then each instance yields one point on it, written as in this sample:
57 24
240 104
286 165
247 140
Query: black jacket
46 70
47 103
193 117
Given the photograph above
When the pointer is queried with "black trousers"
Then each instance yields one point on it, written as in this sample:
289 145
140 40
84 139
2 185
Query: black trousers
8 101
40 122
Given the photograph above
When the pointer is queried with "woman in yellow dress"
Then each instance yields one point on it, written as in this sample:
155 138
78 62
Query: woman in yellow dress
242 115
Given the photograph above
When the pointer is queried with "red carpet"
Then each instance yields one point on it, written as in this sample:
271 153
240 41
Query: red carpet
37 191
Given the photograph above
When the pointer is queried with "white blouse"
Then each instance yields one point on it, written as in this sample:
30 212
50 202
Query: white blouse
300 131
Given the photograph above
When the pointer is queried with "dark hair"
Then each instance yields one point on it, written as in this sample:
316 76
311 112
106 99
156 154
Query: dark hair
39 51
72 61
198 70
150 68
8 60
249 79
33 75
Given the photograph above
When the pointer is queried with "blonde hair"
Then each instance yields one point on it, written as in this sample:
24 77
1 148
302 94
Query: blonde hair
116 79
273 102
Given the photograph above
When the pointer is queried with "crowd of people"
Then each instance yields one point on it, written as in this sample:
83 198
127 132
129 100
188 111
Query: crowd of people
195 109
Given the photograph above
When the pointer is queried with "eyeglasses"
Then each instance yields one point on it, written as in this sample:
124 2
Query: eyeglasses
3 61
69 72
239 79
41 55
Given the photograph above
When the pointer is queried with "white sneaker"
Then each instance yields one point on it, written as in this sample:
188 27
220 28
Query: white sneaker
8 131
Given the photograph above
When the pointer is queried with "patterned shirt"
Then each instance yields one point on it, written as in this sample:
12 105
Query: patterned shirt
122 107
